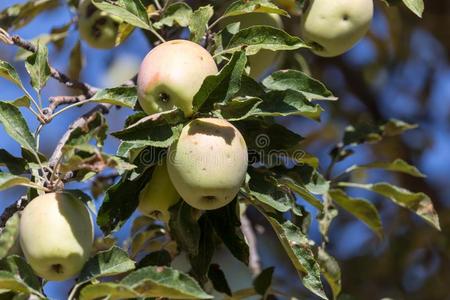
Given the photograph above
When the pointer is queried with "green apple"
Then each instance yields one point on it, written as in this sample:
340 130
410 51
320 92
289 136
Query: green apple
171 74
56 235
265 60
159 194
208 163
333 27
96 27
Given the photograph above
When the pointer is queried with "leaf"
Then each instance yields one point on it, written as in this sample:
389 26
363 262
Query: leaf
19 15
326 217
16 127
131 11
164 282
418 203
416 6
15 165
158 130
16 275
244 7
201 261
177 13
114 211
111 291
221 87
255 38
331 271
397 165
218 279
38 68
298 248
199 22
184 227
227 226
361 209
156 258
106 263
75 61
263 281
9 73
9 235
23 101
121 96
298 81
8 180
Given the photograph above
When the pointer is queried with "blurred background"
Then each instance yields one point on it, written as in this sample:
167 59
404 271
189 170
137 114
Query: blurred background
400 70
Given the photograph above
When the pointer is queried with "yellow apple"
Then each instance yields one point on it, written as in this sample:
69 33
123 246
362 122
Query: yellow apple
158 195
96 27
171 74
208 163
56 235
333 27
265 60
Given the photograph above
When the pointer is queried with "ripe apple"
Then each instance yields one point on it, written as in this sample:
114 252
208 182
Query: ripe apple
208 163
96 27
158 195
56 235
265 60
333 27
171 74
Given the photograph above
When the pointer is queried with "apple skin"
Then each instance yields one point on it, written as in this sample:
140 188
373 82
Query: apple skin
56 235
159 194
208 163
171 74
333 27
265 60
96 27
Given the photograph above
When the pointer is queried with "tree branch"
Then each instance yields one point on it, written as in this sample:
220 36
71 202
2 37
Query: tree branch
249 233
12 209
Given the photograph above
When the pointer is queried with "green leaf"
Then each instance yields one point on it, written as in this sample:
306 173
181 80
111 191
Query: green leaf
8 180
331 271
397 165
218 279
16 127
131 11
227 225
221 87
19 15
114 211
164 282
177 13
244 7
263 281
23 101
255 38
9 235
298 81
156 258
416 6
15 165
121 96
201 261
75 61
106 263
9 73
298 248
418 203
184 227
17 276
158 130
199 22
111 291
38 68
361 209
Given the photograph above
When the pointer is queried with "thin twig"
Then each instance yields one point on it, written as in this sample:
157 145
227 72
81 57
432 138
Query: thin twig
57 101
249 233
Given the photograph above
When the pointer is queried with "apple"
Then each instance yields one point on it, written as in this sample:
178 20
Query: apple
96 27
333 27
208 163
159 194
171 74
265 60
56 235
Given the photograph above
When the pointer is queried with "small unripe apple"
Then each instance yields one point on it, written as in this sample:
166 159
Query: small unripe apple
265 60
158 195
56 235
96 27
208 163
171 74
333 27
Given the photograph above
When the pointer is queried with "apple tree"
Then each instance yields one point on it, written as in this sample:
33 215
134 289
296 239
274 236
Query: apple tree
205 147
